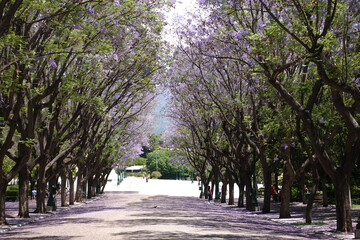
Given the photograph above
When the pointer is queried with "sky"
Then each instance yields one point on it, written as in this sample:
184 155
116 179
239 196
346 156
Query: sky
173 17
161 122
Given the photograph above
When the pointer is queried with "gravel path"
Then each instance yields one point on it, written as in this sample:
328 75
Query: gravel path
139 210
124 215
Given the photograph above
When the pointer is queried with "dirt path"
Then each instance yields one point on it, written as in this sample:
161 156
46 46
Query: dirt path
124 215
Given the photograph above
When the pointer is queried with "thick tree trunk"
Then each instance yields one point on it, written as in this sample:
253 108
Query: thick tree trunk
79 186
206 185
285 196
324 190
267 192
93 187
71 188
3 186
308 211
90 186
223 193
63 189
241 195
231 192
302 188
316 179
41 193
104 181
248 194
343 205
24 193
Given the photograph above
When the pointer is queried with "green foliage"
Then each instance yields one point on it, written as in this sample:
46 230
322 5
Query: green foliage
156 175
165 165
139 161
7 165
155 141
355 191
12 193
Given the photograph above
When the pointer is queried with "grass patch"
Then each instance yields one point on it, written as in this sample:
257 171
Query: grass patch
304 223
356 205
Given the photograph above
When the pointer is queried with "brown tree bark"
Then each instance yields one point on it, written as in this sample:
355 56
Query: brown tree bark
223 192
241 195
71 188
3 186
63 188
79 185
343 204
23 193
324 190
267 191
316 179
285 196
41 191
231 192
90 187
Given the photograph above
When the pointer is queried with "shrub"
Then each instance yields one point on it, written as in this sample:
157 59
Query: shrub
156 174
355 192
356 201
296 194
12 193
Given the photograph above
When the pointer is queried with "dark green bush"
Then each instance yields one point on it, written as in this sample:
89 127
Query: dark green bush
355 192
356 201
12 195
296 194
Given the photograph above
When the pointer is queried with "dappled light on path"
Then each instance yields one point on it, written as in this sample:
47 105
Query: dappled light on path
125 213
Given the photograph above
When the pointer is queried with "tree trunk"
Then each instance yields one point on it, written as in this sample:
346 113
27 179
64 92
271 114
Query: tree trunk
324 190
231 192
223 192
248 193
41 192
316 179
285 196
104 181
79 185
71 188
241 195
267 191
206 186
63 188
89 190
93 187
3 186
308 211
302 188
343 205
24 193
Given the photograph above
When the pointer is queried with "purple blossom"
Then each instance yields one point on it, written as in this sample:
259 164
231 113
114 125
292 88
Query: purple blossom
116 3
357 81
284 145
322 121
52 63
293 144
76 26
276 159
91 11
